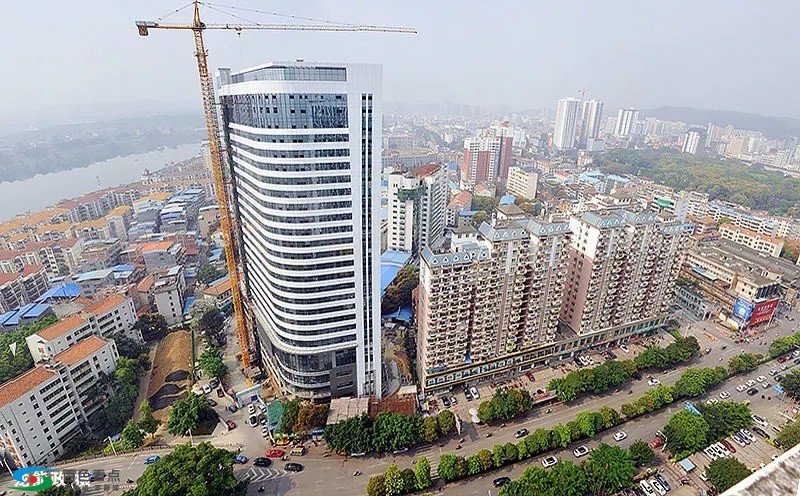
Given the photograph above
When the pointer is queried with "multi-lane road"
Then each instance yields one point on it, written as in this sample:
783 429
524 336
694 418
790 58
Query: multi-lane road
326 475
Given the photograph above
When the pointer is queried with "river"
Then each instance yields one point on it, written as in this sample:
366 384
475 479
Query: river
40 191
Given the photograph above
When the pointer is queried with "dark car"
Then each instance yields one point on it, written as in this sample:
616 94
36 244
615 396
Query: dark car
660 478
501 481
293 467
211 402
521 433
446 401
232 408
262 461
752 391
231 424
761 432
778 378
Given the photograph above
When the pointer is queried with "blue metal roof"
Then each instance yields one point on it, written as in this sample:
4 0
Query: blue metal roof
391 263
404 313
64 291
507 200
187 305
6 316
218 281
34 310
123 268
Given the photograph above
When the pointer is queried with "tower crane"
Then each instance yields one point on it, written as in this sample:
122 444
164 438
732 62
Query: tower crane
197 26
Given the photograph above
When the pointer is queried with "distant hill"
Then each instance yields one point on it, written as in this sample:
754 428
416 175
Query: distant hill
774 127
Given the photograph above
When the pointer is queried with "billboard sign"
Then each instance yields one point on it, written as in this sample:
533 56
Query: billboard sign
743 309
763 311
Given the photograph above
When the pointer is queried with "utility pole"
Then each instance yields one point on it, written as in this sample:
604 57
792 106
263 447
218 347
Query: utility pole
112 445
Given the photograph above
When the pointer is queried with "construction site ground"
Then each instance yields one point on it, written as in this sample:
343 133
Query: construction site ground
170 376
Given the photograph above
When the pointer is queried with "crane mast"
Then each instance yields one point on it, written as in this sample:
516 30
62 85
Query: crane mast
197 27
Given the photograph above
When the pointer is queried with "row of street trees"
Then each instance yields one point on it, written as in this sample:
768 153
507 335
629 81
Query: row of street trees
394 482
692 383
614 373
388 432
505 405
688 433
301 416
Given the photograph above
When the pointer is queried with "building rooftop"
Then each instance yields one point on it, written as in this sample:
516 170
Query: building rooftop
62 326
748 262
157 246
218 287
80 350
462 199
425 170
344 408
20 385
103 306
64 291
510 209
95 275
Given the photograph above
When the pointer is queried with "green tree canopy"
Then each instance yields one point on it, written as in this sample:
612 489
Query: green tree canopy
207 273
187 413
148 423
641 453
212 364
132 436
726 472
153 326
789 436
568 479
686 433
422 472
202 470
608 470
791 383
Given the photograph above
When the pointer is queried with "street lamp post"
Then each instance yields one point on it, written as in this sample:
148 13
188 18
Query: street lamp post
191 439
112 445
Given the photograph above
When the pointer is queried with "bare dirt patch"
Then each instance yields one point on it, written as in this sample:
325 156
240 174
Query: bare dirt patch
169 380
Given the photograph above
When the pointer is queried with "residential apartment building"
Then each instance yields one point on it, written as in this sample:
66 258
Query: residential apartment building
483 306
460 202
44 408
169 288
622 271
304 141
105 318
522 183
566 125
417 209
770 245
625 125
23 287
591 121
163 254
694 141
486 157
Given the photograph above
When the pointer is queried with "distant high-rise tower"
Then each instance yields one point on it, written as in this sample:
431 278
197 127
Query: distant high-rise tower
304 146
417 208
487 157
591 123
626 122
694 141
567 115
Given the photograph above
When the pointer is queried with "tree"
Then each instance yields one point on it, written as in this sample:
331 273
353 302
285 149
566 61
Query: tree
376 485
191 471
561 436
430 429
393 431
153 326
148 423
393 481
696 381
538 441
132 436
398 294
726 472
743 363
686 433
486 459
212 323
641 453
629 410
422 472
724 418
14 364
212 364
791 383
310 417
207 273
609 416
187 413
353 435
409 480
474 465
447 422
782 345
789 436
608 470
291 409
128 347
589 423
448 467
567 479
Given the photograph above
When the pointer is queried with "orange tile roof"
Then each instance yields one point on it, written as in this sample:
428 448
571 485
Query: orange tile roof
20 385
219 288
121 210
80 350
62 327
31 269
157 246
145 284
9 254
425 170
61 227
18 237
6 278
103 306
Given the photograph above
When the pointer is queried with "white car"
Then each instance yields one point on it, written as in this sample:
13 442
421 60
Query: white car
765 384
724 395
722 449
583 361
653 382
580 451
710 453
265 431
624 348
619 436
713 401
749 435
759 420
647 488
474 392
658 487
704 476
750 383
590 360
761 378
741 387
549 461
773 372
206 388
251 409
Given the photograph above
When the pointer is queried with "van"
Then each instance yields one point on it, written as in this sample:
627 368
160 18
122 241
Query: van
298 451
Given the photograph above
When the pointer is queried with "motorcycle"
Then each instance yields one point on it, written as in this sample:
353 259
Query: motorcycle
128 481
356 473
260 489
548 410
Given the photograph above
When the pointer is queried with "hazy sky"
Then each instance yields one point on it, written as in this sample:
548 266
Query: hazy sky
720 54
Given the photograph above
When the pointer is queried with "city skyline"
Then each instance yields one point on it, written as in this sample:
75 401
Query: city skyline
642 65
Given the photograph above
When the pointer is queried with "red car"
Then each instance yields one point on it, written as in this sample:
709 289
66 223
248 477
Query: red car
275 453
728 445
231 424
656 442
782 359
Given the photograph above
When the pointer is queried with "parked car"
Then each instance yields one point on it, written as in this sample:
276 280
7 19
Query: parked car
710 453
453 400
619 436
275 453
752 391
663 480
580 451
211 402
251 409
658 487
741 387
749 435
206 389
151 459
231 408
759 420
773 371
549 461
728 445
765 385
240 459
265 431
214 382
761 432
262 461
252 420
624 348
724 395
293 467
474 392
657 442
220 393
653 382
761 378
713 401
501 481
750 383
521 433
231 424
647 488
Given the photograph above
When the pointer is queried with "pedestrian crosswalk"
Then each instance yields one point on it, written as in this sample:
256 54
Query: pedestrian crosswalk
256 474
